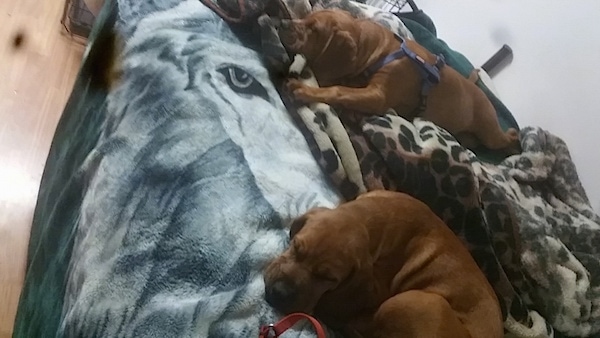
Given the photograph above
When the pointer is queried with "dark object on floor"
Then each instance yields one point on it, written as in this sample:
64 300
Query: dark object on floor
18 40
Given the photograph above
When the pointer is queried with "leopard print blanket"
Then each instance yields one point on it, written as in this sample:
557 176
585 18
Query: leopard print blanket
526 221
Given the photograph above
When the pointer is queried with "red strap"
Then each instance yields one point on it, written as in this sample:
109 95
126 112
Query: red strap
275 330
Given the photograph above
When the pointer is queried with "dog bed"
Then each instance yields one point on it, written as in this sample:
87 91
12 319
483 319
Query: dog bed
163 198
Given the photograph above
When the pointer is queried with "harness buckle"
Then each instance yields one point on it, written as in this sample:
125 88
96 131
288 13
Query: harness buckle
268 331
433 78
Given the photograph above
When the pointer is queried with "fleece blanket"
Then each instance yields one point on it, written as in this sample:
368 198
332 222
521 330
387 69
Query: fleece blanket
190 187
526 219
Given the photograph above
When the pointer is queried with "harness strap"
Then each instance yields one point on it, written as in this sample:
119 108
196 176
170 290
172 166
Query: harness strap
430 73
382 62
275 330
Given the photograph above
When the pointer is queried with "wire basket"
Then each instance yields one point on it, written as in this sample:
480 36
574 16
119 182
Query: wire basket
77 18
388 5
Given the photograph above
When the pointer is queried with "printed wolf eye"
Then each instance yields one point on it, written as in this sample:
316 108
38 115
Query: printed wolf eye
242 82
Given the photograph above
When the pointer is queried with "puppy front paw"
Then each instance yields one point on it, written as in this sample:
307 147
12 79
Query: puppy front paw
293 84
300 91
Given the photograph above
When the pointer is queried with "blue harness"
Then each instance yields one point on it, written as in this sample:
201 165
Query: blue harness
430 73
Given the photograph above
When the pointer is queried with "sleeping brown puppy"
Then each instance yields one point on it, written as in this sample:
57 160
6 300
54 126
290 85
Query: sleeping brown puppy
340 49
383 265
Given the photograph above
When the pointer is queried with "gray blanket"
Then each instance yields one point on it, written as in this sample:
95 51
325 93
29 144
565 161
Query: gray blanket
190 188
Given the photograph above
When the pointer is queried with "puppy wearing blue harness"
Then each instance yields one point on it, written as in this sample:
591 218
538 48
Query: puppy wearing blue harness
429 72
363 67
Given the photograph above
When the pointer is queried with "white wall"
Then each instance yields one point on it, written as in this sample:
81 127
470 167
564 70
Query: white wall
554 79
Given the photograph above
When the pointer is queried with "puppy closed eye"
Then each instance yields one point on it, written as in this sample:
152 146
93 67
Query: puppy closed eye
325 276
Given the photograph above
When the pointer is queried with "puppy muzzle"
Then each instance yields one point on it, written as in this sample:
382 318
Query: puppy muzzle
281 295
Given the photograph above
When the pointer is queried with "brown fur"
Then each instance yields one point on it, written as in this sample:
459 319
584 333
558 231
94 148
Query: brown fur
383 265
339 48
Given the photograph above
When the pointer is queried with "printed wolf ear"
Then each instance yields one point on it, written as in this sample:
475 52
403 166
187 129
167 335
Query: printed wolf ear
299 222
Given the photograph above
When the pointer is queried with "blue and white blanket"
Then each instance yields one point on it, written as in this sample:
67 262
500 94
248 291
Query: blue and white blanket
191 186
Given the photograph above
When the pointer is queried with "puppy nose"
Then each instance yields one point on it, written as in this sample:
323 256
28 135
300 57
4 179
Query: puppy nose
279 294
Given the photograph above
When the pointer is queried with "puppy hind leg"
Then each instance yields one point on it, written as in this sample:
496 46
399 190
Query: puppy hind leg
488 131
497 139
467 140
515 142
417 314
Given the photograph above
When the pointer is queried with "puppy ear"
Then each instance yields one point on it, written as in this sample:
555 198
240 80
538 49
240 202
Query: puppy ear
344 42
299 222
297 225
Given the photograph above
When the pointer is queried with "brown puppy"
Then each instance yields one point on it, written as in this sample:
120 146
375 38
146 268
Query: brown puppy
383 265
340 48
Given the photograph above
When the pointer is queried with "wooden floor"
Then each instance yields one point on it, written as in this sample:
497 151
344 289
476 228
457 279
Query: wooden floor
35 81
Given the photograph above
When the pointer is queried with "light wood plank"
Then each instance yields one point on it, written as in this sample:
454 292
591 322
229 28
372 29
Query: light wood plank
35 81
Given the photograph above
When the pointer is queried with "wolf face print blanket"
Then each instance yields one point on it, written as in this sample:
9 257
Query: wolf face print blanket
164 198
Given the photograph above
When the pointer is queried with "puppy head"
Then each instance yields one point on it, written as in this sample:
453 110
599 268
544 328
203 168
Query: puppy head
327 251
325 36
